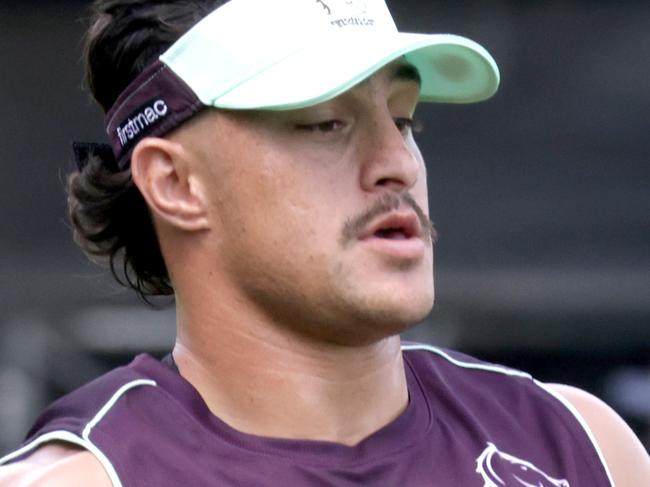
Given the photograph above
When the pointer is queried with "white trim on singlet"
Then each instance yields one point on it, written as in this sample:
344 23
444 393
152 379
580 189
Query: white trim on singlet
65 436
466 365
84 441
567 404
111 402
512 372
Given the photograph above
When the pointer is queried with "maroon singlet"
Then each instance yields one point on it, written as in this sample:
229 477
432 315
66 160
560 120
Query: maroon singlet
468 423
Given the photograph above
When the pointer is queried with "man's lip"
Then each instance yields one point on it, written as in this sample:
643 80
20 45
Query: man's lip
405 221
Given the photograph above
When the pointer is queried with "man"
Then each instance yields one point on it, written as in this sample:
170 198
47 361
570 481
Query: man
263 170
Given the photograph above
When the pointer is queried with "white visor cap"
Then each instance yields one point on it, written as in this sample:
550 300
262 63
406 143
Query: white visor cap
286 54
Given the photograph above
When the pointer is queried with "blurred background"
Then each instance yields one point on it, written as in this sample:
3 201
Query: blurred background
541 196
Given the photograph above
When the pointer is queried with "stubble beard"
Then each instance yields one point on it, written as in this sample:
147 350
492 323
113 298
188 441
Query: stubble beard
374 317
341 307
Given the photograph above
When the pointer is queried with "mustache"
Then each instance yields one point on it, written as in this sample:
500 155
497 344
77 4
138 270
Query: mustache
387 203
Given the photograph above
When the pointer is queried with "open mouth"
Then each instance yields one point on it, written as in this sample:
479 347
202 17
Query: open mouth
398 235
396 226
392 234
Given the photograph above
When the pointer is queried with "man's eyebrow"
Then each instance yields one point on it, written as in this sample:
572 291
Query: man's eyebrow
406 72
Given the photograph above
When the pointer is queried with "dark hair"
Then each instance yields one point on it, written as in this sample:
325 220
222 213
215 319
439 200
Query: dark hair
110 217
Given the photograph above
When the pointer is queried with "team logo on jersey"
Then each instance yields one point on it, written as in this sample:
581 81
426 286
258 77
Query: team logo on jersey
500 469
347 12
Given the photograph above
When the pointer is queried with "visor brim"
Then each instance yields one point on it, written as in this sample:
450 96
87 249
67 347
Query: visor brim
453 70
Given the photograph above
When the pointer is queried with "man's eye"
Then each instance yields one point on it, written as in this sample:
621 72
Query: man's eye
322 127
406 125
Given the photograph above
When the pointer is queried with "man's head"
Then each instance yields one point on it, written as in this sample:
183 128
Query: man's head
315 216
286 167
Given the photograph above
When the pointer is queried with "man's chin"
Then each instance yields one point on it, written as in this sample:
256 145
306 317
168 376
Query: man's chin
379 322
400 320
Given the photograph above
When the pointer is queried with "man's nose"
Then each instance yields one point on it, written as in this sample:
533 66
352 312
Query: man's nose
388 160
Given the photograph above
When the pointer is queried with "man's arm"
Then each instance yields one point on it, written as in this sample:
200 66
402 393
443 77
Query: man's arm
56 465
627 459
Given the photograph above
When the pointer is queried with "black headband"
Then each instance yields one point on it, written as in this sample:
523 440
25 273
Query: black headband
153 104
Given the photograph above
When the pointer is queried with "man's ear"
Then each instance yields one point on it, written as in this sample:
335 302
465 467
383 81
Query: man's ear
161 171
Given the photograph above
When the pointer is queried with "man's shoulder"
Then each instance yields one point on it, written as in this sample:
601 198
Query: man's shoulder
70 419
426 355
56 466
482 391
618 449
624 454
80 407
57 448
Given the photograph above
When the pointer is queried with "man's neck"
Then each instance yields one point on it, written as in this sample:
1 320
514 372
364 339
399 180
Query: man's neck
262 381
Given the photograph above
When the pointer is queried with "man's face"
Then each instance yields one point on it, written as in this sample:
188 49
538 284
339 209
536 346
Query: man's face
318 215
